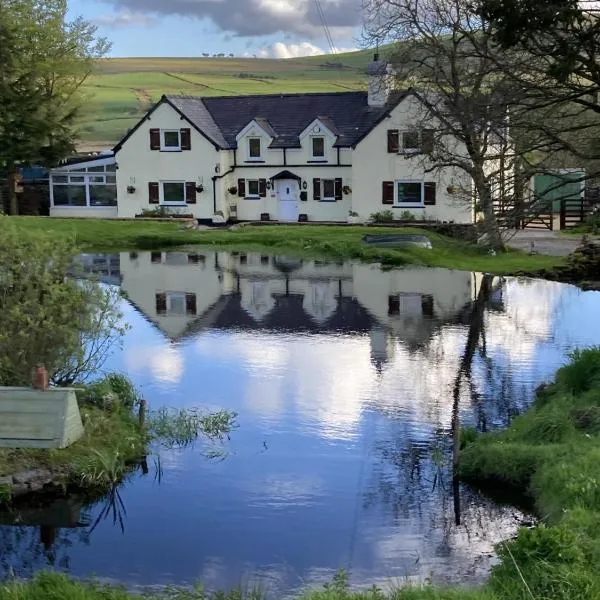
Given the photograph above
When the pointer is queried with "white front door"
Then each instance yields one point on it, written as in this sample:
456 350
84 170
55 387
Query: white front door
288 192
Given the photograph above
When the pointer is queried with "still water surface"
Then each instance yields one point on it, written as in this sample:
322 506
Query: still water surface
346 380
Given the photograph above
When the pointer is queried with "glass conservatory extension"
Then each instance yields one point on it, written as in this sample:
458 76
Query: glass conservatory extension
82 187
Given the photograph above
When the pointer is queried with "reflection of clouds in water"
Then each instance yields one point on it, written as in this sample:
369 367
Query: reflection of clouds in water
323 378
285 490
333 382
164 362
329 380
420 383
527 320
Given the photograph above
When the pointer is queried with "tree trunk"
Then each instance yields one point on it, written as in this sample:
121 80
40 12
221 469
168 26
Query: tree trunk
13 208
490 223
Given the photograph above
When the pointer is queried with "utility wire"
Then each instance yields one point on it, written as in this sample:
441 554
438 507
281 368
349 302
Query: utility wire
325 26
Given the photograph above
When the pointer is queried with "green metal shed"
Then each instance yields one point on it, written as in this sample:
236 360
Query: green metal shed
567 184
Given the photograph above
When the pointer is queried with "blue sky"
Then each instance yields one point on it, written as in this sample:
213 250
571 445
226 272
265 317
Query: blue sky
277 28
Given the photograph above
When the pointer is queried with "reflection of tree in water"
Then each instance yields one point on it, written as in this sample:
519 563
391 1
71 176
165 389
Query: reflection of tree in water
41 538
413 477
27 549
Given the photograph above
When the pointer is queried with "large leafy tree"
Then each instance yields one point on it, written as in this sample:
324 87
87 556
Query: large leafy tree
444 51
44 60
564 38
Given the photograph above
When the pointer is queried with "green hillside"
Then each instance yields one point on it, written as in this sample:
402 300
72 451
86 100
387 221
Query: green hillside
122 89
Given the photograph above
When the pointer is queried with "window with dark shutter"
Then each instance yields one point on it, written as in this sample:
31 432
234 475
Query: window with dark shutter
339 194
153 195
430 193
316 189
161 304
387 196
262 188
190 304
393 141
427 305
186 139
427 141
155 139
241 188
190 192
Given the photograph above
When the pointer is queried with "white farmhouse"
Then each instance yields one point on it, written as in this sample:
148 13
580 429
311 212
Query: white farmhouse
320 157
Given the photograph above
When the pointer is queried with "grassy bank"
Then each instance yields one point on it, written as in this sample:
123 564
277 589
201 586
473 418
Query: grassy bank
112 440
336 242
551 453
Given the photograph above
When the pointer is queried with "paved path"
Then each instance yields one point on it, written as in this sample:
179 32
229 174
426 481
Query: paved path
544 241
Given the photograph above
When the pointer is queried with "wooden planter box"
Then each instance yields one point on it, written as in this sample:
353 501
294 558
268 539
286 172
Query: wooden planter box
33 419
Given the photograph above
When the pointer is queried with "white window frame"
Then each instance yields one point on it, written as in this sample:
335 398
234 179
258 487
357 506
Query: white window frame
398 204
248 194
176 296
328 198
163 146
73 176
312 149
161 193
260 147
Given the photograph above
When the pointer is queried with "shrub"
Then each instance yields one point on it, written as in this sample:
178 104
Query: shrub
45 316
384 216
406 215
111 392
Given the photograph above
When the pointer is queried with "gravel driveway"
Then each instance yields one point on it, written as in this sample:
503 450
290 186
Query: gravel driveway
544 242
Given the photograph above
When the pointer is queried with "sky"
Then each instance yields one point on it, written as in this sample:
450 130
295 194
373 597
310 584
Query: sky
262 28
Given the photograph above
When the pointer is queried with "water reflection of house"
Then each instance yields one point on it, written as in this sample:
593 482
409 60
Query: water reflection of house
103 267
184 293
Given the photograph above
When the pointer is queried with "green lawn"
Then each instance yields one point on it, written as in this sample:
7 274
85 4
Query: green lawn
336 242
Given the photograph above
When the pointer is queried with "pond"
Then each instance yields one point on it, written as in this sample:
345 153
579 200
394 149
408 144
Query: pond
346 380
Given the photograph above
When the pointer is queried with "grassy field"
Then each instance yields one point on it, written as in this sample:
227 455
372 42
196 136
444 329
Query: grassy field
122 89
339 242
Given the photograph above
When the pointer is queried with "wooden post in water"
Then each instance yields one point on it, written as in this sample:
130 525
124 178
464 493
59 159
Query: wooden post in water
142 413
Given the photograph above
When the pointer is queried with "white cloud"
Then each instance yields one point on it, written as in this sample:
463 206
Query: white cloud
124 19
292 50
259 17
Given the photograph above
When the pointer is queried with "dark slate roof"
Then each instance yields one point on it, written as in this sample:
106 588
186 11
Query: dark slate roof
284 115
288 315
192 108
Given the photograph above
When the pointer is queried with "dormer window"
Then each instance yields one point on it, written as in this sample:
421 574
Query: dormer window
254 148
318 147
